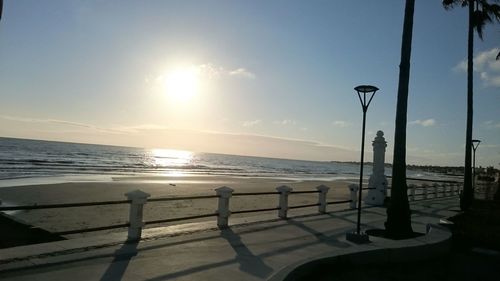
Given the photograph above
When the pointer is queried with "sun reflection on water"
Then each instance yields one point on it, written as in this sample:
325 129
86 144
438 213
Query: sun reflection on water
173 162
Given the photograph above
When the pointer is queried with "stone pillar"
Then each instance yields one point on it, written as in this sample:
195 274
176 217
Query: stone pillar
377 184
223 211
138 198
354 195
323 190
284 192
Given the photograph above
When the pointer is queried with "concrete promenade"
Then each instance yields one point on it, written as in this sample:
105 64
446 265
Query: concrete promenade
251 249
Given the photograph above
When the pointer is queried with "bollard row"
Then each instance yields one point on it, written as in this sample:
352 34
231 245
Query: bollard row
433 191
139 198
225 193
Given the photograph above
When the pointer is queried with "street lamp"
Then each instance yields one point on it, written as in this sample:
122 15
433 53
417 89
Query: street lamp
365 95
475 144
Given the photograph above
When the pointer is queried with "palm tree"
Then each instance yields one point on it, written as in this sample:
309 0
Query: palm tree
398 223
481 12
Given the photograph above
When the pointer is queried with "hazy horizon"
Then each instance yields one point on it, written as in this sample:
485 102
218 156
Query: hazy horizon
368 154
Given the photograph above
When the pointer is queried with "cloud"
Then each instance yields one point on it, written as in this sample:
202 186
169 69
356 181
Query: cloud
486 64
285 122
424 123
490 124
141 127
205 71
251 123
341 124
243 73
55 121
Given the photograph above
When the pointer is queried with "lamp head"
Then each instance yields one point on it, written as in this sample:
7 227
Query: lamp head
366 89
475 143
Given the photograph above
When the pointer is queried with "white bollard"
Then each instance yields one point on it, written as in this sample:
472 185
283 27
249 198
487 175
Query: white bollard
412 191
436 185
323 190
354 195
138 198
223 211
425 187
284 192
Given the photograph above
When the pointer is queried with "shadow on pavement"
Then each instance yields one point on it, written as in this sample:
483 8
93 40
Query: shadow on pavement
119 265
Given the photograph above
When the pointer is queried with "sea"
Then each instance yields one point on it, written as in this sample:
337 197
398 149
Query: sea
24 161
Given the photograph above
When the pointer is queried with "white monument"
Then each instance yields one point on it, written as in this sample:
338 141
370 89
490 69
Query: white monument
377 183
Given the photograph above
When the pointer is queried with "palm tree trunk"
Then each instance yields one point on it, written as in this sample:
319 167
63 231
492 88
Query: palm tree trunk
398 223
467 195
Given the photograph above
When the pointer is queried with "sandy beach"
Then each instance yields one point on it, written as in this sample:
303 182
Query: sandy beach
56 220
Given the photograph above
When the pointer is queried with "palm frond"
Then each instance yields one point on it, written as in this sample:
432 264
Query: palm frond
484 14
450 4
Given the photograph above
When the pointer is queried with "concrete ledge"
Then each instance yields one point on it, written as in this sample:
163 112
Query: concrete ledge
435 243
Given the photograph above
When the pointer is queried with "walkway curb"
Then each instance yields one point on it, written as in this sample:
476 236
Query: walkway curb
435 243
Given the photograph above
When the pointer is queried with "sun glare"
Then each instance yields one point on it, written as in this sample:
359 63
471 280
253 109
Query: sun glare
182 84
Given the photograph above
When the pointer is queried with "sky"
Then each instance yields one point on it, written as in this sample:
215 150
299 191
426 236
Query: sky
262 78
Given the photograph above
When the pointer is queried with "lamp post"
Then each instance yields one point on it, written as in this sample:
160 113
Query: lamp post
475 144
363 91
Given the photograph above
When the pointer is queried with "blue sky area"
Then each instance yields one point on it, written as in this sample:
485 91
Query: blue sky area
264 78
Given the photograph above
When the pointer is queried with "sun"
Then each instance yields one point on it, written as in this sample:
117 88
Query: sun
182 84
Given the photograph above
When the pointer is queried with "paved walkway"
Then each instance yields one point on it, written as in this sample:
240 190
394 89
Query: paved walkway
252 251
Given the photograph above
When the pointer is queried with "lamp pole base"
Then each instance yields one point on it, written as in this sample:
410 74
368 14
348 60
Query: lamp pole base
358 238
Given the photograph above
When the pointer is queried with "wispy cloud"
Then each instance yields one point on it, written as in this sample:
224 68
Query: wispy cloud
490 124
243 73
285 122
486 64
251 123
424 123
341 124
204 71
58 121
140 127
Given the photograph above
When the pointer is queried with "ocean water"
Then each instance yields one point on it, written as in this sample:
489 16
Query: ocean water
35 159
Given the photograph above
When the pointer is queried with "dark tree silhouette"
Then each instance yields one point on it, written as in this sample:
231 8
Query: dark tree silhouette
1 8
481 12
398 223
